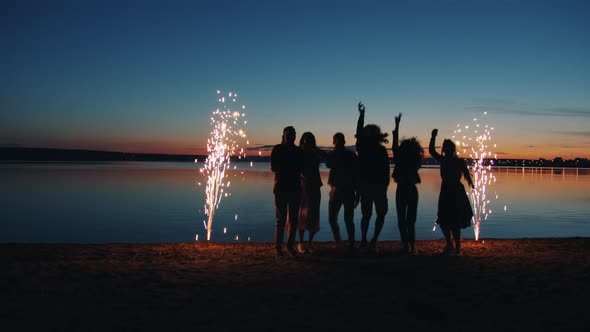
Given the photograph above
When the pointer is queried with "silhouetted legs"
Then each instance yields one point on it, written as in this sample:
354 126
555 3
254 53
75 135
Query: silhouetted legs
309 214
376 195
337 199
456 236
406 202
301 240
286 207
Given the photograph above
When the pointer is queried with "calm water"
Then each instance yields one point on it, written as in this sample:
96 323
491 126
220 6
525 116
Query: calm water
162 202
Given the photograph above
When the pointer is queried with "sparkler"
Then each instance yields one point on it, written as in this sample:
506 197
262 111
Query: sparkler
227 123
474 140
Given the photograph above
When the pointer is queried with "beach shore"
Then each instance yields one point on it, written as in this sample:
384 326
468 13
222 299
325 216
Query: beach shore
494 285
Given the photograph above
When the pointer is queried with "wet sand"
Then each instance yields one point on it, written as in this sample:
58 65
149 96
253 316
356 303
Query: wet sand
495 285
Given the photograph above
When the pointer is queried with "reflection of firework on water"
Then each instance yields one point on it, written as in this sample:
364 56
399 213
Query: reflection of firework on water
474 140
227 123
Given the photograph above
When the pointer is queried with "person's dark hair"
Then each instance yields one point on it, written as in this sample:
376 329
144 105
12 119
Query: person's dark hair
449 149
307 141
289 130
411 150
372 133
339 137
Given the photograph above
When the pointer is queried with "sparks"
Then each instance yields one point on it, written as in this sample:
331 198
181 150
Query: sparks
222 144
479 152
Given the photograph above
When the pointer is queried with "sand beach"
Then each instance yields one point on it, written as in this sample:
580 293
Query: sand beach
494 285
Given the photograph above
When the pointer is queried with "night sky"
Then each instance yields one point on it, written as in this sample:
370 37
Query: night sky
142 76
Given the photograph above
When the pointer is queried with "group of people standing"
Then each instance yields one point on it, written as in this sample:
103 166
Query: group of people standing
363 177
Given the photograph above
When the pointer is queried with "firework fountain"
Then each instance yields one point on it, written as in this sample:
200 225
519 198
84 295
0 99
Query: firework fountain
227 122
474 140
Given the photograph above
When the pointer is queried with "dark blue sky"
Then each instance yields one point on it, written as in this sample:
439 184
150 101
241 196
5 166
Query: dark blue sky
142 75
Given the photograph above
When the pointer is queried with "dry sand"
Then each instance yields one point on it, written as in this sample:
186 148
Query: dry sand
495 285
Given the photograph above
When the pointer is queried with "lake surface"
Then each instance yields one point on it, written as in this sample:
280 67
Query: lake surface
137 202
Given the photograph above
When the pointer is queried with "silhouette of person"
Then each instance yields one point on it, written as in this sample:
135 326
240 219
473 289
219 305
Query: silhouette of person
343 165
309 210
373 176
454 208
408 158
286 161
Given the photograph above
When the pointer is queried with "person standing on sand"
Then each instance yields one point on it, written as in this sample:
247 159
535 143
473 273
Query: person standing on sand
286 161
309 210
373 176
343 165
408 158
454 208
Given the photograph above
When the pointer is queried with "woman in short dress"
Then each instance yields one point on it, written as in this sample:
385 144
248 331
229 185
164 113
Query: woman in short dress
309 210
454 208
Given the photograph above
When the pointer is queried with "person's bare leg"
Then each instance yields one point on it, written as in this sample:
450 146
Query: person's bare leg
457 238
300 247
447 233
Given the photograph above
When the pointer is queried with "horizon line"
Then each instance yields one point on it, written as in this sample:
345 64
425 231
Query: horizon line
236 155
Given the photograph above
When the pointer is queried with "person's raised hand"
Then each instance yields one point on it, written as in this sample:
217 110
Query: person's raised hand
434 132
361 108
397 119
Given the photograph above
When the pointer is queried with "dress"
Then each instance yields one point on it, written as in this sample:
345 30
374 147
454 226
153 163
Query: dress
454 208
309 209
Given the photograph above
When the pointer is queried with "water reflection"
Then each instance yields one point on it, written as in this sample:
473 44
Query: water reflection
162 202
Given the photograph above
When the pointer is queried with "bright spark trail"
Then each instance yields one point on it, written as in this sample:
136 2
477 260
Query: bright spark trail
227 123
474 140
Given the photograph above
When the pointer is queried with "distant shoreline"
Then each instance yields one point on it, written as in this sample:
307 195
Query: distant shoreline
49 155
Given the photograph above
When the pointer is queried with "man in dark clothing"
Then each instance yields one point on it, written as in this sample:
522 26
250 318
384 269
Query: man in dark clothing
343 174
373 176
286 161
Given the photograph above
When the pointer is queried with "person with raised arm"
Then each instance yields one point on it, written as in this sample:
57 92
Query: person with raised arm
373 176
407 158
454 208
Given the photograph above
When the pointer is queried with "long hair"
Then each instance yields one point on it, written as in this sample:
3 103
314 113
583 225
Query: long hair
411 151
307 141
449 149
372 133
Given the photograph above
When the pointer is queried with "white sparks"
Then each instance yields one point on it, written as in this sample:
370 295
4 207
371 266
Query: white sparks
476 144
222 145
